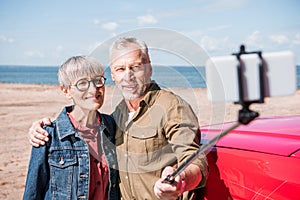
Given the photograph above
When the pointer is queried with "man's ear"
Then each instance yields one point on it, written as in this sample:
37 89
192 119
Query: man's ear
66 91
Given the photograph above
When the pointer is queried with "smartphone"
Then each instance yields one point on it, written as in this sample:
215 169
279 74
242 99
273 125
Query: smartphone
278 76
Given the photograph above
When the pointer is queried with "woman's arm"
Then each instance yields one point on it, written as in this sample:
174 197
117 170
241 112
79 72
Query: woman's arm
37 181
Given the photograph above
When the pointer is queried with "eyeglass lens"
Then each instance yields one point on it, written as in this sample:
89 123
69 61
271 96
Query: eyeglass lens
84 84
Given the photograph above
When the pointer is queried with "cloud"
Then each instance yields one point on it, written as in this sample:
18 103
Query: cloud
194 33
223 5
255 40
296 40
5 39
110 26
146 19
220 27
215 45
96 21
279 39
209 43
36 54
59 48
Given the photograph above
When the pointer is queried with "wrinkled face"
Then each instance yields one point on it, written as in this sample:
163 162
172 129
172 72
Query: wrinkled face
89 98
131 72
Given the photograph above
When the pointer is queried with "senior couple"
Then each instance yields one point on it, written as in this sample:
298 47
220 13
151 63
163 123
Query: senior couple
84 154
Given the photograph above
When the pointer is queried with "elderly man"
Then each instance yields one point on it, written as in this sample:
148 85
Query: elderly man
156 130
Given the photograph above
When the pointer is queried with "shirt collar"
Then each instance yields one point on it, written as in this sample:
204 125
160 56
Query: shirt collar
148 99
65 126
63 123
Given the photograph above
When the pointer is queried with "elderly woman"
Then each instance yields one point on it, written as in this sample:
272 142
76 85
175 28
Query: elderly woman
79 161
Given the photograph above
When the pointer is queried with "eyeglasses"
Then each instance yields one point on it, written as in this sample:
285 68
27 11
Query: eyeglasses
84 84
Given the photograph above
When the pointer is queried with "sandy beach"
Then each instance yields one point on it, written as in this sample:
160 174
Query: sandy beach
22 104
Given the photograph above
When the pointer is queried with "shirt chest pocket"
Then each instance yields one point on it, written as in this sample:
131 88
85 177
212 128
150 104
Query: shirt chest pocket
148 144
148 138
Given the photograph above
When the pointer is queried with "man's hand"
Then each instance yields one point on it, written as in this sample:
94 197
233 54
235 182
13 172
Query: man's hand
164 190
37 135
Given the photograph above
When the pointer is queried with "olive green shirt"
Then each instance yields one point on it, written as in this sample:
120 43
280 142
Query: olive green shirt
164 131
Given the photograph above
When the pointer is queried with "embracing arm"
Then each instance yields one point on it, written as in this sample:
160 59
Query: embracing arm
37 135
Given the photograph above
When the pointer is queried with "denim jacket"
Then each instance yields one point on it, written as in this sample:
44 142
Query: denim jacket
60 169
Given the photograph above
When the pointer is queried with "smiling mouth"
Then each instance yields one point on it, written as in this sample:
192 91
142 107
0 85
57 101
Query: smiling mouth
129 87
94 97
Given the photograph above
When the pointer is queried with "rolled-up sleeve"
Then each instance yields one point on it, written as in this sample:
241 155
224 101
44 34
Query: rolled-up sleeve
183 133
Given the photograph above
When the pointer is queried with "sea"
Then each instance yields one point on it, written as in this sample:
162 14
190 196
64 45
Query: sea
166 76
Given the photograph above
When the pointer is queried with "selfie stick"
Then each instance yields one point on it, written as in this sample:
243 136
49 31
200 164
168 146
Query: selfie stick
245 114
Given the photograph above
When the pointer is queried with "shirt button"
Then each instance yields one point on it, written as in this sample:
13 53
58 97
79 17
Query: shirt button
126 177
98 183
83 176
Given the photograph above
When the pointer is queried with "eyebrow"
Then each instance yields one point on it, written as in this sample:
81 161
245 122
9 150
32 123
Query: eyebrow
131 64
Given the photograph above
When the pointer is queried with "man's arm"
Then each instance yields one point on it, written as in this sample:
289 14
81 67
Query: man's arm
191 176
182 131
167 191
189 179
37 135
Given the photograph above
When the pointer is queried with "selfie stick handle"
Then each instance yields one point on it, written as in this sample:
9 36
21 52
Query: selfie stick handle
245 114
171 178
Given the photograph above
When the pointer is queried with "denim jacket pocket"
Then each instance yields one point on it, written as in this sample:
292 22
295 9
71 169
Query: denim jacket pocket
63 171
62 161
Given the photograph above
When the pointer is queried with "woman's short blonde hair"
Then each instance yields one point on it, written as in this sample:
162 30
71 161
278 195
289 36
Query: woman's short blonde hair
78 66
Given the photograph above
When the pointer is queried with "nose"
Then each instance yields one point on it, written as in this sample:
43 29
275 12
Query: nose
128 74
92 87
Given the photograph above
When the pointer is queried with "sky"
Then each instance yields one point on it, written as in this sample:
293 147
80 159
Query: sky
47 32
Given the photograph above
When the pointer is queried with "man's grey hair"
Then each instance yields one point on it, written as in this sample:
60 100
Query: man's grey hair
124 42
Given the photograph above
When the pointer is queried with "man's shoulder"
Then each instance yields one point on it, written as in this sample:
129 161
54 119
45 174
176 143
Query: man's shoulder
166 94
120 107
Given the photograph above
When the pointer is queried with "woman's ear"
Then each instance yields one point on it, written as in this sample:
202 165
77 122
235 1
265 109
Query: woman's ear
66 91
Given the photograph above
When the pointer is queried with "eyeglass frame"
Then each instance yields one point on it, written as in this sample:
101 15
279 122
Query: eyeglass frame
95 81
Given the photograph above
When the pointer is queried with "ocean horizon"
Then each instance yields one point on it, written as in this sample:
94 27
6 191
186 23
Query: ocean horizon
165 76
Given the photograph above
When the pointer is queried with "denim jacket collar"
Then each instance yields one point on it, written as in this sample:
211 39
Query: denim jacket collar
63 123
66 128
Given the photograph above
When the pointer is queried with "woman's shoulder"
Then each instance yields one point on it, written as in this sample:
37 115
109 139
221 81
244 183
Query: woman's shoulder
50 128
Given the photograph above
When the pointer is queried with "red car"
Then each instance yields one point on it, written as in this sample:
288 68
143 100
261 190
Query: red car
260 160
